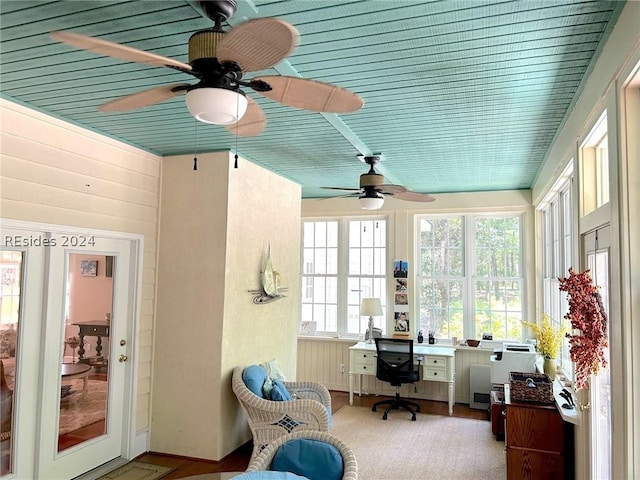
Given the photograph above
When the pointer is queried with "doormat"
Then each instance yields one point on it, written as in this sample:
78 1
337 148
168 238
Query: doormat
137 471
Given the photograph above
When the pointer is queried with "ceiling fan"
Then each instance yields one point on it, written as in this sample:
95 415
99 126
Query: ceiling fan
219 60
373 189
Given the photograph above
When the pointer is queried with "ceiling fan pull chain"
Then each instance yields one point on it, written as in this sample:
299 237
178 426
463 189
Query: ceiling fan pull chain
235 164
195 146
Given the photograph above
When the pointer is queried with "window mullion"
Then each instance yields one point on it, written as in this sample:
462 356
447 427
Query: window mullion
469 277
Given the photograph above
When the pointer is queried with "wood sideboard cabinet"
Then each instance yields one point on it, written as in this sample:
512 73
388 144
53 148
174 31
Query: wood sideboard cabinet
539 443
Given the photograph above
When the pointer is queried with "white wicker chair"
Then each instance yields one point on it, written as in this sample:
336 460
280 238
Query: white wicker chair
263 461
269 420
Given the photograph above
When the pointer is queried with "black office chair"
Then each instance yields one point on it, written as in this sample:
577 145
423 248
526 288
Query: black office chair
395 366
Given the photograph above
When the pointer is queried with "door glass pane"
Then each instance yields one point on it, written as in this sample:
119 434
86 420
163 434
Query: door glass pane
601 386
10 289
85 360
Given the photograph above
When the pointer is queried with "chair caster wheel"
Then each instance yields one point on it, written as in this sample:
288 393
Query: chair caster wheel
373 409
384 417
413 419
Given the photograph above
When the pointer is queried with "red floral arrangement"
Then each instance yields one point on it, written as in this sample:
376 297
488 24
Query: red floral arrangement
587 314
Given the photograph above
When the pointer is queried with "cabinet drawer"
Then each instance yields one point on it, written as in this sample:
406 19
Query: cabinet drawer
438 362
365 363
365 368
100 331
435 374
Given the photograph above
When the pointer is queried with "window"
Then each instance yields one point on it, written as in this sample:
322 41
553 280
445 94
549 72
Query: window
10 268
470 277
557 239
594 168
343 261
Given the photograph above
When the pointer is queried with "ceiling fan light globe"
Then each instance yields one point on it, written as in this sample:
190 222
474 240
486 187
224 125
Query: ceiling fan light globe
371 203
219 106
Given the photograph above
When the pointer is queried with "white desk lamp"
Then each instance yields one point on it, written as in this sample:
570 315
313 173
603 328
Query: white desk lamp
370 307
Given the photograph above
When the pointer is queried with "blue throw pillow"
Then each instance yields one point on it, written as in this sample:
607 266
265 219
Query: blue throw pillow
254 377
279 392
309 458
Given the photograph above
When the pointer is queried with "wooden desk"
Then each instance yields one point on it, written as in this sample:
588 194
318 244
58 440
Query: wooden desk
96 328
438 365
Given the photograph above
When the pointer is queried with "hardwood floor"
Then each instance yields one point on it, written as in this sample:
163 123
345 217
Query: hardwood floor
239 459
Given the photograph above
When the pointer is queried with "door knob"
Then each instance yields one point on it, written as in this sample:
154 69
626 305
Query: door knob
123 358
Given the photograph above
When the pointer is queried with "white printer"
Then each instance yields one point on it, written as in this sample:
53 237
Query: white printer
512 357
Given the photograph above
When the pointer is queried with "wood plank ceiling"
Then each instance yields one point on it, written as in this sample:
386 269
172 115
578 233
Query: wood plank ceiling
460 95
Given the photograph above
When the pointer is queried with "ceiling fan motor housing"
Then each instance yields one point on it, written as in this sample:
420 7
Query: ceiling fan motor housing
371 180
204 44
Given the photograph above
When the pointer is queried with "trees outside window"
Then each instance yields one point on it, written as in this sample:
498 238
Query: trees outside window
470 278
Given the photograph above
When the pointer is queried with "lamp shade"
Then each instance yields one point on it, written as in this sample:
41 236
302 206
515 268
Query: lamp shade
216 105
371 203
370 307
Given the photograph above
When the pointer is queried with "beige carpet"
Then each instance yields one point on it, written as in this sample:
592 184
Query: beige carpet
76 411
433 447
137 471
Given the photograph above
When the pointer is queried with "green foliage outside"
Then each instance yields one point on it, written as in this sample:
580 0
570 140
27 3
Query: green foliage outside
495 277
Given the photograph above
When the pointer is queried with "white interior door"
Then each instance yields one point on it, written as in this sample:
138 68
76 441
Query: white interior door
55 461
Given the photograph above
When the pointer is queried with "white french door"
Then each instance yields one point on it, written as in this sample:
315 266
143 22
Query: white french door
596 251
36 449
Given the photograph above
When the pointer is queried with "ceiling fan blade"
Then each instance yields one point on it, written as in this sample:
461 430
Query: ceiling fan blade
414 197
344 189
390 189
252 122
346 195
144 98
258 44
311 94
111 49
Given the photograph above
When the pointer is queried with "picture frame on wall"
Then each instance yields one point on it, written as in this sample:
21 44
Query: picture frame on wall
89 268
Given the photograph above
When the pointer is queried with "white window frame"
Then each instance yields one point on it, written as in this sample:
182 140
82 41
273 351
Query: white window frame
469 277
348 322
557 215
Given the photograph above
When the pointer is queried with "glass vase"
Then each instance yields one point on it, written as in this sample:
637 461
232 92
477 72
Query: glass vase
550 367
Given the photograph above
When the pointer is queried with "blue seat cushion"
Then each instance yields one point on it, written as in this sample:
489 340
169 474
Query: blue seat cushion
314 459
279 392
254 377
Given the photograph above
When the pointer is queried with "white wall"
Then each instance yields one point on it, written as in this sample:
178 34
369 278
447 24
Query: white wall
56 173
216 223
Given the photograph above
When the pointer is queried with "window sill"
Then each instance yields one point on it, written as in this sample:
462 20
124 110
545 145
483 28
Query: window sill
568 415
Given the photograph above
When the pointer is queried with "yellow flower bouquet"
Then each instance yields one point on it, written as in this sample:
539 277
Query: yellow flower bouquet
549 339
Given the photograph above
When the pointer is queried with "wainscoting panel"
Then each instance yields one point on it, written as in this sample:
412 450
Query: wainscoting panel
320 360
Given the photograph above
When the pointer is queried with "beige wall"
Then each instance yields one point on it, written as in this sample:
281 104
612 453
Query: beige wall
216 223
56 173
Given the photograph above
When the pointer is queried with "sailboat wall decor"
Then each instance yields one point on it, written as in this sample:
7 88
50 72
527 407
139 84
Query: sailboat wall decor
270 280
